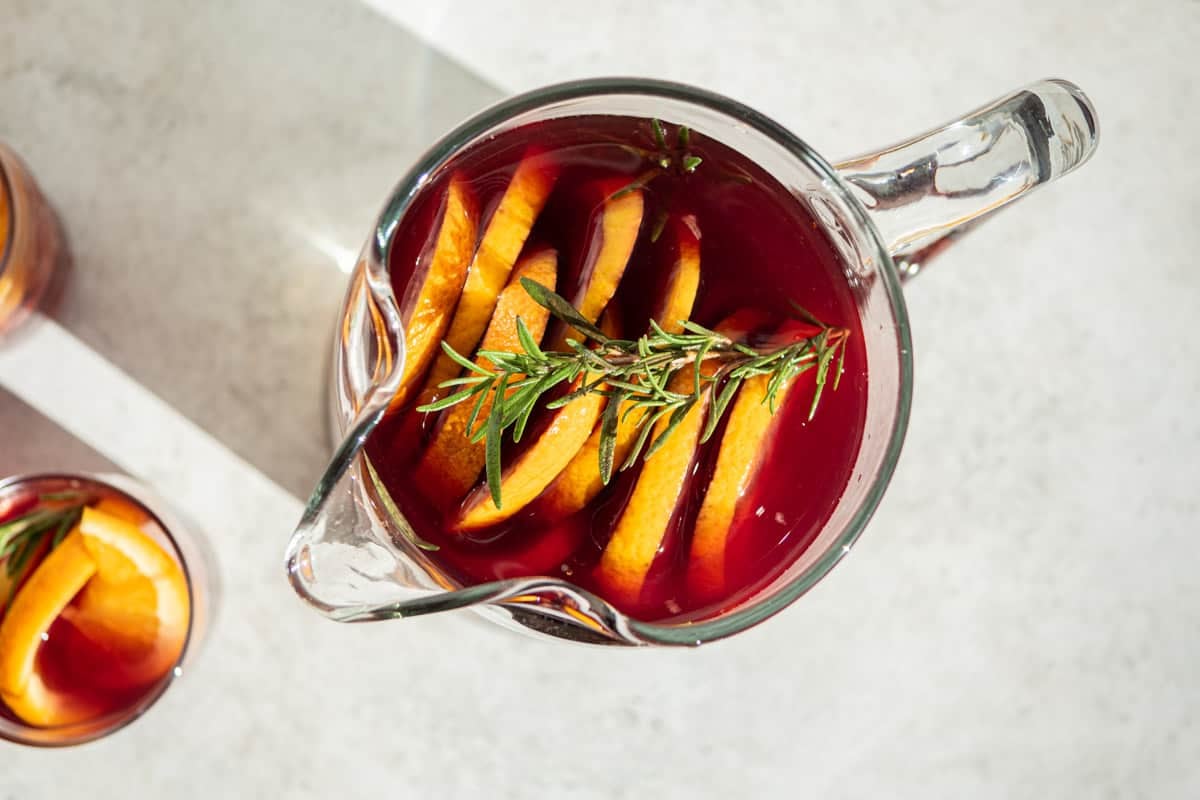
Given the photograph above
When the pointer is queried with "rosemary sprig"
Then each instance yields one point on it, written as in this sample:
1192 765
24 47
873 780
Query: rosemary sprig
636 376
21 536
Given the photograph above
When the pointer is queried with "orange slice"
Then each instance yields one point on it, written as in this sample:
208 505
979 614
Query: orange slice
612 232
581 480
742 445
130 598
533 470
529 475
683 281
53 584
641 530
451 465
122 509
503 238
441 286
137 606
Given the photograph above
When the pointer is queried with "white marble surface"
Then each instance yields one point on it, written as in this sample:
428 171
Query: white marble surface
1021 619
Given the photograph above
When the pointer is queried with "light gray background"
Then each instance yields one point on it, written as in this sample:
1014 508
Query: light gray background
1021 619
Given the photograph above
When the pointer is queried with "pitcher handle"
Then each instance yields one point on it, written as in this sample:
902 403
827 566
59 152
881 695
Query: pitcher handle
924 192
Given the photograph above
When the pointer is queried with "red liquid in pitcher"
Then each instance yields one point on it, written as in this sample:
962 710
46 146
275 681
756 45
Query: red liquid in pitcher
759 251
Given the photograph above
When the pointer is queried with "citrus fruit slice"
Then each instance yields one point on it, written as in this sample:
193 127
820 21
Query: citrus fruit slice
36 606
581 480
742 448
120 591
501 244
136 606
451 465
611 234
438 291
641 530
531 472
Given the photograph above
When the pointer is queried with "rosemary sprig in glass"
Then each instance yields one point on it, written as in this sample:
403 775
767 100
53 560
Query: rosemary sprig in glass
54 515
635 375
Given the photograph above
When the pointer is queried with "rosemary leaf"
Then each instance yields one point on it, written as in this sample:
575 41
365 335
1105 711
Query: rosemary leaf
461 360
561 309
494 438
475 411
718 410
841 366
673 423
65 527
451 400
646 424
660 135
608 435
527 340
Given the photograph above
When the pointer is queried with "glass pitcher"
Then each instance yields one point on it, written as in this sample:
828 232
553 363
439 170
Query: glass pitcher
353 557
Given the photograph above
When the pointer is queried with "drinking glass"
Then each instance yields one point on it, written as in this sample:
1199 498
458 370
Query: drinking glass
30 242
175 539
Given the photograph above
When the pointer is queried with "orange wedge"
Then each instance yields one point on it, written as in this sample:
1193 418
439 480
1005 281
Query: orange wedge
501 244
581 480
451 465
612 232
130 598
440 288
53 584
741 452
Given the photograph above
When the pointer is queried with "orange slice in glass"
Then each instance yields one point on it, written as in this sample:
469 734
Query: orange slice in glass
120 590
532 471
742 445
611 234
452 464
581 480
501 244
440 288
640 532
535 468
642 527
53 584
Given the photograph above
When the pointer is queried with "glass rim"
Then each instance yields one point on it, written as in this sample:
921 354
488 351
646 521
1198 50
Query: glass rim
110 723
753 610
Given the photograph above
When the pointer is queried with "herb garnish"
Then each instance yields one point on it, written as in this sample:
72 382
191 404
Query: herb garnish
21 536
634 375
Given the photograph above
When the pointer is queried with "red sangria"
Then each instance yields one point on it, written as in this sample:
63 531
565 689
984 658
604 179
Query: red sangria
632 362
95 609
